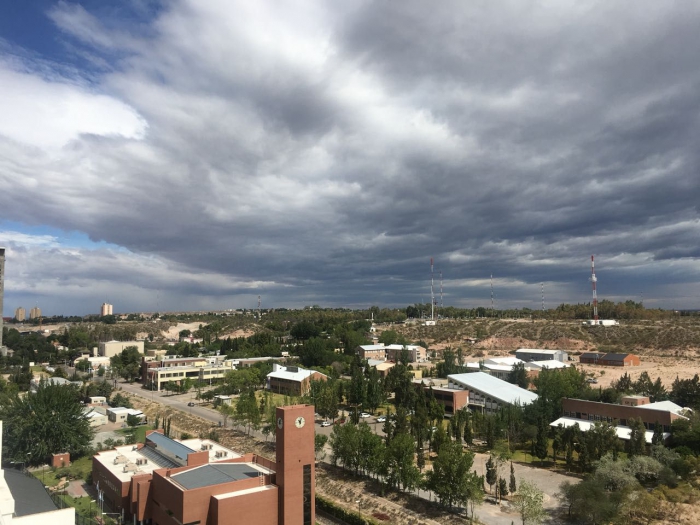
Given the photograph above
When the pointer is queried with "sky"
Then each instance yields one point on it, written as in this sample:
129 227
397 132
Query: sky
188 155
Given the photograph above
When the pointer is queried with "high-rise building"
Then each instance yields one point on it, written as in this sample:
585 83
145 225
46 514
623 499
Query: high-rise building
20 314
106 309
2 286
35 313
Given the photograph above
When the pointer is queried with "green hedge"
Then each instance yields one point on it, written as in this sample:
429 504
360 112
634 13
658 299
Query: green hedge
349 517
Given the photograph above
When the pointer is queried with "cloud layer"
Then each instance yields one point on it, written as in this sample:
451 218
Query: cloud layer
310 153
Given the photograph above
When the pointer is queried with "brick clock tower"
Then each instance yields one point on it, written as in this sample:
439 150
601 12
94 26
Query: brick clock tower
296 469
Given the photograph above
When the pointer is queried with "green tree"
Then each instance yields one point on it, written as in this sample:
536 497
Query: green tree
127 364
518 376
502 487
542 442
399 466
226 411
529 502
132 420
491 473
47 422
247 410
512 485
320 441
637 441
451 473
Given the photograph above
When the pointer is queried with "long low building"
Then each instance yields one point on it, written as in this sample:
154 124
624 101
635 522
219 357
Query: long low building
663 413
611 359
623 432
155 373
489 393
537 354
416 354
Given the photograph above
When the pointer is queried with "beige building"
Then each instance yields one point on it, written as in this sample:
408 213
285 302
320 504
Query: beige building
35 313
155 374
112 348
416 354
106 309
20 314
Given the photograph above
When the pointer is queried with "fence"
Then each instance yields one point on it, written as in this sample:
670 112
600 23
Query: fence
62 501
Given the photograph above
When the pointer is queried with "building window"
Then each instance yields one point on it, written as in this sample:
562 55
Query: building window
307 495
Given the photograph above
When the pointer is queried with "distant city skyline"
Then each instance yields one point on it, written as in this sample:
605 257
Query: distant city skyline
192 156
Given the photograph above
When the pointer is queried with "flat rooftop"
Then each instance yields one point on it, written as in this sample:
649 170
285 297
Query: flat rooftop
128 460
208 475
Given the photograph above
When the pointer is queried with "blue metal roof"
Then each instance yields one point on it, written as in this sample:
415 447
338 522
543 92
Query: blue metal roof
169 447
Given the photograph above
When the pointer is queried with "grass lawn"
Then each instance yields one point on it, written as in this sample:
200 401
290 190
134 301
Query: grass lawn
139 432
78 470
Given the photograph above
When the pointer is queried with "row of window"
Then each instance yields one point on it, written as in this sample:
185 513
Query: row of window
607 419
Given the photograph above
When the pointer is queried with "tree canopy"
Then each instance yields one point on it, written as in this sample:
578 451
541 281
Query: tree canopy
47 422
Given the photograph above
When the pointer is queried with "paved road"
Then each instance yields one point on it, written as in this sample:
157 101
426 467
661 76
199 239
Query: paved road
489 513
178 402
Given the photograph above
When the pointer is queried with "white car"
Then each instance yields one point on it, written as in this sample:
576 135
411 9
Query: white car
381 419
326 424
364 414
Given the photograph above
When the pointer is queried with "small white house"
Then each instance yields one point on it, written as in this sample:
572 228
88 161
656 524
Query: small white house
119 414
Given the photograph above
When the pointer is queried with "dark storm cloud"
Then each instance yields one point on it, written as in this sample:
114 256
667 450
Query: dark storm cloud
320 156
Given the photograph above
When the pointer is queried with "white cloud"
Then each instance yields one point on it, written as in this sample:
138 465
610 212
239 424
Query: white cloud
48 114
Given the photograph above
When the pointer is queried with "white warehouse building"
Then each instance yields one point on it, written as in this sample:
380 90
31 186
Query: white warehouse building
489 393
536 354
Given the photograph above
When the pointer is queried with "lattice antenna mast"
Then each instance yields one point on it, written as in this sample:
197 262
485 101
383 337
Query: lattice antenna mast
432 292
542 288
259 313
595 296
492 309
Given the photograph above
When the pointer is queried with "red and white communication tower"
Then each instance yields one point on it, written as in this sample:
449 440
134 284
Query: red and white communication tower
432 294
595 297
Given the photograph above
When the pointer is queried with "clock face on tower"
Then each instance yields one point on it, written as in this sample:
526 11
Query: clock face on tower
299 422
280 422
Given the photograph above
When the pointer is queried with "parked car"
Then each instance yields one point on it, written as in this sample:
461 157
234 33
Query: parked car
364 414
381 419
326 424
190 404
592 380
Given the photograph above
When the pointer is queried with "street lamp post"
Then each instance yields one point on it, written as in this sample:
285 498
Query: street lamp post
359 511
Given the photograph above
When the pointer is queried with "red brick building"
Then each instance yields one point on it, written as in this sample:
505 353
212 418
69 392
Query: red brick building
452 399
649 413
169 482
620 360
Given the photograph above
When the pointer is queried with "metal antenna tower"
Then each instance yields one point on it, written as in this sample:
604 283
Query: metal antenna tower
542 288
492 310
595 296
259 307
432 293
